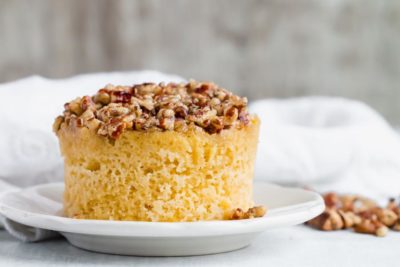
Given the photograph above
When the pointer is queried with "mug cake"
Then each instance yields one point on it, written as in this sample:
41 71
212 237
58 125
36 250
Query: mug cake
159 152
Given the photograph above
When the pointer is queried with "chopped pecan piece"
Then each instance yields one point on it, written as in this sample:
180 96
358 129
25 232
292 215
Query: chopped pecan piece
371 226
255 212
329 220
57 123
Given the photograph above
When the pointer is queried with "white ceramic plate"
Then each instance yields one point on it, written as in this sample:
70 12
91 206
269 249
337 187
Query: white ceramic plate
40 206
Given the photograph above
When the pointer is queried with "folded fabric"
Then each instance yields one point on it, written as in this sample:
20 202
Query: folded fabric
5 187
329 144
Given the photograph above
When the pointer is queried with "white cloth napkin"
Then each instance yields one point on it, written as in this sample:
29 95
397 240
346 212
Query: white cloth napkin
325 143
328 144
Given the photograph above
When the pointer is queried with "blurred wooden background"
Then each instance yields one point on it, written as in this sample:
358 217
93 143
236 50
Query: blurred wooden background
271 48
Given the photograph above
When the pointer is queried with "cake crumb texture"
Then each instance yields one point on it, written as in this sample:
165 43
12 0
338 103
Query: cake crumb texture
164 176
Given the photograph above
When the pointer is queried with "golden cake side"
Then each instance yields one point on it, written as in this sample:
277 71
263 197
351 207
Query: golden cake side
158 176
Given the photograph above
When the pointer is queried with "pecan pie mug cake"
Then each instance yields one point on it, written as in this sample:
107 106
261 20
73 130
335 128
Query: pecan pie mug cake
159 152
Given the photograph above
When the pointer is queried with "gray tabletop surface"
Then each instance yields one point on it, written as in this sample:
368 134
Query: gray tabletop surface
292 246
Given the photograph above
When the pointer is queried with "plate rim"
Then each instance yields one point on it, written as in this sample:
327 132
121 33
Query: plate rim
290 215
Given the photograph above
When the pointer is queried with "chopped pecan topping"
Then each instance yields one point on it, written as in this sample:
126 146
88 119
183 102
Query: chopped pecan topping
162 107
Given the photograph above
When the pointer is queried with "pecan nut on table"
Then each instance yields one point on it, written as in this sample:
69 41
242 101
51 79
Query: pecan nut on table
355 212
